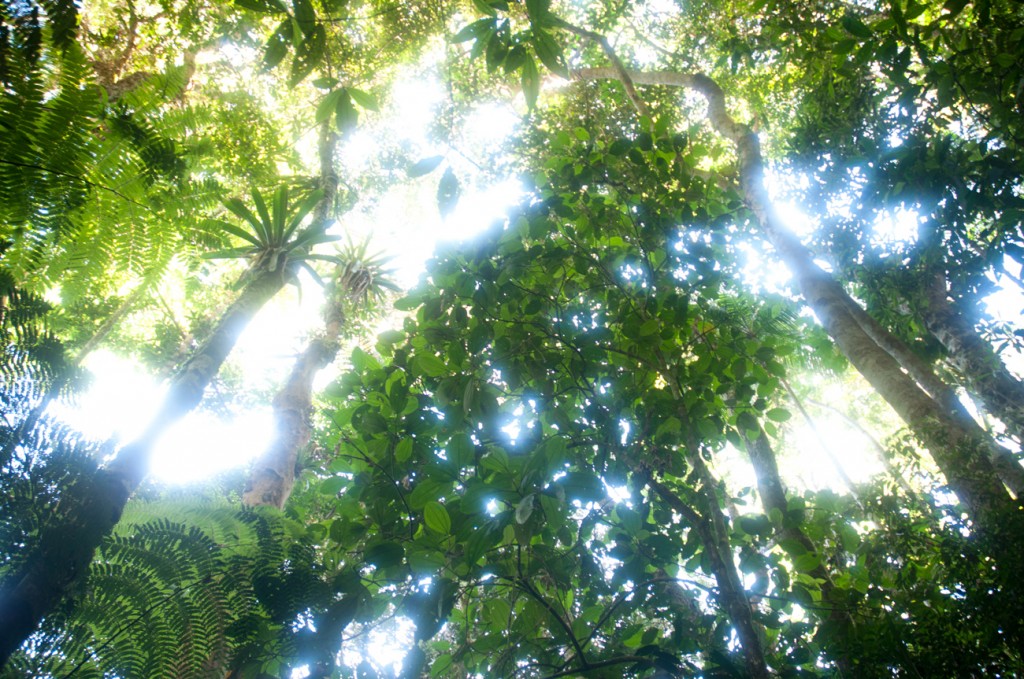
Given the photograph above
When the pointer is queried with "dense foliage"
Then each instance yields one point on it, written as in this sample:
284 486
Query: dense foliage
573 452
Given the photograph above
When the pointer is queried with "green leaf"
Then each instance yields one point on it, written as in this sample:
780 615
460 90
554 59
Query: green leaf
308 55
305 15
229 253
233 230
778 414
403 451
348 115
302 210
436 517
332 485
484 7
424 166
857 27
278 214
549 53
748 422
327 106
367 101
538 11
954 8
264 216
441 664
475 30
530 79
325 83
460 450
241 210
425 561
264 6
431 365
448 191
805 563
385 554
277 45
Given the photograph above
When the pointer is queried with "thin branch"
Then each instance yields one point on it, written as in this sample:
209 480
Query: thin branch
621 74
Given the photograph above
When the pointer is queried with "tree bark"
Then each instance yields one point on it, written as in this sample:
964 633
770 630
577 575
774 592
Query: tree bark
1006 465
960 450
730 588
773 496
66 549
273 474
984 374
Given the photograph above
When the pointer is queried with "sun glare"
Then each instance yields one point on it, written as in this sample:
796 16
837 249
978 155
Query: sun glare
122 399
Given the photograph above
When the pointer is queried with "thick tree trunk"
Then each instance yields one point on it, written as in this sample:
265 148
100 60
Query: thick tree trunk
91 511
984 374
961 451
1006 465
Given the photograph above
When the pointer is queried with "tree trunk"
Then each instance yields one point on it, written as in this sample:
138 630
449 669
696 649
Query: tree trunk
273 474
1006 465
65 550
731 593
960 450
984 374
773 496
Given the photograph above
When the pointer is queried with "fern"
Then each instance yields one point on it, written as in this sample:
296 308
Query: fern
186 587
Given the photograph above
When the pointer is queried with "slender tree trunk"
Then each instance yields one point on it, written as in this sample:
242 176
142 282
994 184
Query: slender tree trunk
273 475
730 589
984 373
773 497
960 450
711 527
66 550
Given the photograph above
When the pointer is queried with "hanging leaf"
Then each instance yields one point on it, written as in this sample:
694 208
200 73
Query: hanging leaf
530 79
497 48
264 6
367 101
277 45
857 27
348 116
475 30
305 15
425 166
327 106
447 193
549 53
308 55
325 83
484 7
538 11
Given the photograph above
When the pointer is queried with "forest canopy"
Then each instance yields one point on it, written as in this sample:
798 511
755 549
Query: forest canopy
728 383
